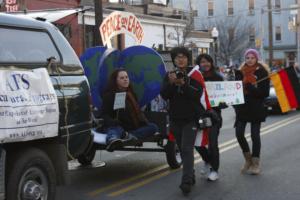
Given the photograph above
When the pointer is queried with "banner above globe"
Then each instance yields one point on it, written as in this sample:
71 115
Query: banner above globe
121 22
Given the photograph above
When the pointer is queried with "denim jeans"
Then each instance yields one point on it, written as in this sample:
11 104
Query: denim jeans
115 132
145 131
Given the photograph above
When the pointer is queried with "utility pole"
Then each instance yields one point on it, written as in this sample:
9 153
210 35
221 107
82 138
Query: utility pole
98 21
270 25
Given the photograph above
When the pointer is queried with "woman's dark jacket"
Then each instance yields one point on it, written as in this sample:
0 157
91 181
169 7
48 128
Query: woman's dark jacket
215 76
120 117
184 101
253 110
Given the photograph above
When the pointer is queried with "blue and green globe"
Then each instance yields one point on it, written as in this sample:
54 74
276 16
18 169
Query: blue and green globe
145 68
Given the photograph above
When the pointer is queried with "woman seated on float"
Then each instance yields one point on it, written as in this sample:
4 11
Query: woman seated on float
127 123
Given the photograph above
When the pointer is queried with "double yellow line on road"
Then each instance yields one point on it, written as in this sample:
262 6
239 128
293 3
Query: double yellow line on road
164 170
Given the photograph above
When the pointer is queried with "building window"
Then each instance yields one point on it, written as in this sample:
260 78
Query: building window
251 7
210 8
252 34
277 5
278 33
231 34
230 7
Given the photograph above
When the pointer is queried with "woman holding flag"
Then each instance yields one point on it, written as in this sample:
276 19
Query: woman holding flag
210 155
256 88
183 94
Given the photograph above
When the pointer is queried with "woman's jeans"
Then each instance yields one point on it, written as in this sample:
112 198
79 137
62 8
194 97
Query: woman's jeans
185 135
255 136
145 131
211 155
117 132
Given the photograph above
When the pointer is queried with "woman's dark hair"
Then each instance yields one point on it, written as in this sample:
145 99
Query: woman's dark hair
112 86
180 50
206 57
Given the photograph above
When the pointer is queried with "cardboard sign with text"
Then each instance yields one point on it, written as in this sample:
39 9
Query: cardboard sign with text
28 106
230 92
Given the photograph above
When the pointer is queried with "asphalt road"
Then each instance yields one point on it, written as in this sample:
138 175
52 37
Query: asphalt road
142 175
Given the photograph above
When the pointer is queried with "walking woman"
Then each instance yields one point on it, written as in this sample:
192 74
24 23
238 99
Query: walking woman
252 111
210 155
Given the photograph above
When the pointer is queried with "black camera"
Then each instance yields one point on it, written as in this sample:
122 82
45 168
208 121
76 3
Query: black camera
179 74
205 122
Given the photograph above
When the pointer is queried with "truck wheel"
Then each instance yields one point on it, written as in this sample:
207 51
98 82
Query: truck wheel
173 155
87 158
31 176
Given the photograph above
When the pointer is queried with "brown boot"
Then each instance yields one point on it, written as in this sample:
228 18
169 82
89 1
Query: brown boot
254 168
248 162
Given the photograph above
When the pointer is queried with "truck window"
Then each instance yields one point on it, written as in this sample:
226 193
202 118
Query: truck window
25 46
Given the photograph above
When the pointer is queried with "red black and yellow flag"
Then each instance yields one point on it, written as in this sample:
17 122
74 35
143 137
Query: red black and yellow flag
287 88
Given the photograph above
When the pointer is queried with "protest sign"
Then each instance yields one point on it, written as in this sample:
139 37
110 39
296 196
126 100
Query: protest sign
120 98
121 22
28 105
230 92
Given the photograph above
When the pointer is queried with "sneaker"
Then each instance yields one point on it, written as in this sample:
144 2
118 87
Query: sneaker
205 169
113 144
185 188
213 176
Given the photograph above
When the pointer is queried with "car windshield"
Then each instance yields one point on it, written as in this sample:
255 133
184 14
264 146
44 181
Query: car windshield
26 46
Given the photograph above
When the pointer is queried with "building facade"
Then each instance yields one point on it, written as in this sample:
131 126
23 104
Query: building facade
68 25
250 17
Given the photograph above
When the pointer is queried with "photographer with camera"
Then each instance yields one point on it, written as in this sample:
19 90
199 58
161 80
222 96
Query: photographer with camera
211 154
185 109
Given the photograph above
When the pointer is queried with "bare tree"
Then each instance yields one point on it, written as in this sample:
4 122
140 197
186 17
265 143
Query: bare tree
183 33
234 34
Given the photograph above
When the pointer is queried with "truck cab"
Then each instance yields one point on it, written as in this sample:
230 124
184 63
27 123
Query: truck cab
31 169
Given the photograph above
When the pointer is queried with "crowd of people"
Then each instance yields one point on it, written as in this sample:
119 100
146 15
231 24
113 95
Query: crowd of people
180 97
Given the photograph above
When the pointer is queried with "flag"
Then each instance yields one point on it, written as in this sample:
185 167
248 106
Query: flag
287 88
201 138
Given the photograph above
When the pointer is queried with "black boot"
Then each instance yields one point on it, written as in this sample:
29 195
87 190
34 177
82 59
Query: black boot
114 144
185 188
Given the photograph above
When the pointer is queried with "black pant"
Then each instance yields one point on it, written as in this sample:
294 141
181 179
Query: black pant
185 135
255 136
211 155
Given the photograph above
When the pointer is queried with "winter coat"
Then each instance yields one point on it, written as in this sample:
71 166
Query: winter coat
184 101
215 76
253 109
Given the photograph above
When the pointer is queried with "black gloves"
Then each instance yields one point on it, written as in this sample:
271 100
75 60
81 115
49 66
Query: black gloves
223 105
215 117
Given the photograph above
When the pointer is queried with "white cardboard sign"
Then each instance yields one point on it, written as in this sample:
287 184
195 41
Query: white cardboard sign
28 106
120 98
230 92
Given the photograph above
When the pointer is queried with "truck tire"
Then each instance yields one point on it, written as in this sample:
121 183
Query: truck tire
173 155
88 157
31 175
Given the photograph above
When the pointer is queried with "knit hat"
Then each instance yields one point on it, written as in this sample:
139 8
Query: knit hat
253 52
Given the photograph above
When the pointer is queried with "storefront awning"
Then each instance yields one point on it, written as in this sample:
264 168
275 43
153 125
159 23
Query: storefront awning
50 15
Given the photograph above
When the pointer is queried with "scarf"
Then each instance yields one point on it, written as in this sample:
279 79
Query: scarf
248 74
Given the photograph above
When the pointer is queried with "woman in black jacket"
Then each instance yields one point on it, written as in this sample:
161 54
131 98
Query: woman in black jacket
210 155
129 120
252 111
